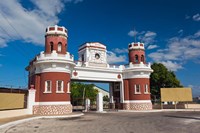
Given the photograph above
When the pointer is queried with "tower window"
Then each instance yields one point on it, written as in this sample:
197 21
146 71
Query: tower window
47 86
68 87
136 59
142 58
146 89
51 46
59 47
82 57
59 86
137 89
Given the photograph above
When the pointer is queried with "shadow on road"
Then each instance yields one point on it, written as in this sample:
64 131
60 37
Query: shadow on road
183 117
72 118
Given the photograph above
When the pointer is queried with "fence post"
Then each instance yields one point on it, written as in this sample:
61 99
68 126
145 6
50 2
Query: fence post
87 104
99 102
31 99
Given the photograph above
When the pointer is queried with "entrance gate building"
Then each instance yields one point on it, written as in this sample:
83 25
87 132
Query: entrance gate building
53 69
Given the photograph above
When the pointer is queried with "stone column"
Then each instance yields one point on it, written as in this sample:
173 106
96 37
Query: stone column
99 102
31 99
111 87
87 104
122 92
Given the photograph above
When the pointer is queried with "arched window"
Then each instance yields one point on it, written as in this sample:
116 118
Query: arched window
51 46
82 58
142 58
59 47
136 59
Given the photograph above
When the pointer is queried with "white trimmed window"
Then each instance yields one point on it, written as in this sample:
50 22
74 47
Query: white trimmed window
59 86
48 86
146 89
68 87
137 89
59 47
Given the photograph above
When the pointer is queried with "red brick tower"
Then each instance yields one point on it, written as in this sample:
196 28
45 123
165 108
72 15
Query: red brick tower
50 73
136 80
136 53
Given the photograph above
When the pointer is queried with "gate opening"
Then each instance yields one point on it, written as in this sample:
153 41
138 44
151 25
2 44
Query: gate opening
84 93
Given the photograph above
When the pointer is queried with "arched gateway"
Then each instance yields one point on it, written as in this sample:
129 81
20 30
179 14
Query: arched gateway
53 69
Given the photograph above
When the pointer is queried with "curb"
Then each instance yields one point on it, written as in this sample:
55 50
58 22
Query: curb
10 124
160 110
140 111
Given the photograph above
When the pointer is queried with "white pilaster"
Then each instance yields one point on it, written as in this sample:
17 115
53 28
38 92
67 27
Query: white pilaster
31 100
111 92
99 102
122 92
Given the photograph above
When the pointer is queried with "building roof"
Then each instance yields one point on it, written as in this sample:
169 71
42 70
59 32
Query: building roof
101 88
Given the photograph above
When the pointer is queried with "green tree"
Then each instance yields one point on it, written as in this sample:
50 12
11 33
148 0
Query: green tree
106 98
162 78
80 89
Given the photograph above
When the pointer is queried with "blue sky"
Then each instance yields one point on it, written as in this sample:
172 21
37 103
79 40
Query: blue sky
170 30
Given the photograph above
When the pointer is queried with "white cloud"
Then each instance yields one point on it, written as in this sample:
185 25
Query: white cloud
196 17
195 90
112 58
150 34
2 42
147 37
197 34
132 33
30 24
120 51
187 16
179 50
191 86
173 66
180 31
49 7
152 46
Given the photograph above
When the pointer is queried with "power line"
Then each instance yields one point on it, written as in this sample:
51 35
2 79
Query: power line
10 24
17 48
23 55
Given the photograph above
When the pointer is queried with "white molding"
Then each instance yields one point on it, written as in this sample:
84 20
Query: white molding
135 88
137 101
146 86
96 79
68 87
47 92
54 70
52 103
60 92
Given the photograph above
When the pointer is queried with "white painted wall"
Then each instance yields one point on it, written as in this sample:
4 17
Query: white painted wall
13 113
104 93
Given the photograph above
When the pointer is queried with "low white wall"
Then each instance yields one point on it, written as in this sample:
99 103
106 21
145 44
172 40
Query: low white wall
192 106
13 113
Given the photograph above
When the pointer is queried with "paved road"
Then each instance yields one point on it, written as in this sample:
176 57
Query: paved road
156 122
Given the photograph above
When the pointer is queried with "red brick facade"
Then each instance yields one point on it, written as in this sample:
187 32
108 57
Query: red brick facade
139 53
39 82
129 89
55 40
